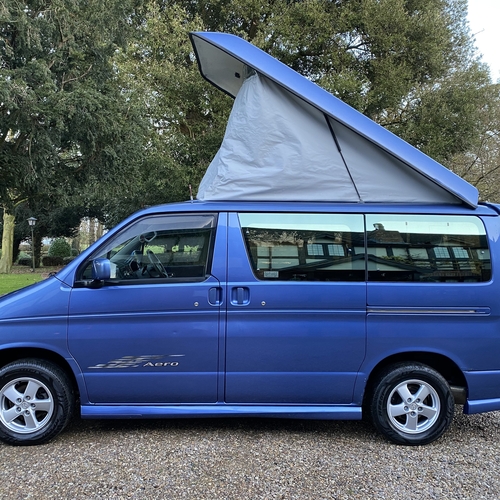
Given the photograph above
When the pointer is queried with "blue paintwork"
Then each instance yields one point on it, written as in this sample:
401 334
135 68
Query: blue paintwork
114 322
265 343
235 53
36 316
306 353
45 299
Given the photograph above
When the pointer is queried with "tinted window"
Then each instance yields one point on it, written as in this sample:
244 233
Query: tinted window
428 248
307 247
162 247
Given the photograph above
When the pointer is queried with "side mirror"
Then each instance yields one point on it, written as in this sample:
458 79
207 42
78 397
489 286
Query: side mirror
101 269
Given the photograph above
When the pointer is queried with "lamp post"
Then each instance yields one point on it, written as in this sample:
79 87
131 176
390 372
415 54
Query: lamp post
32 222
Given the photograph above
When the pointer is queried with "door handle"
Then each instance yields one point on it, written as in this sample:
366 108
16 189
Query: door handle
240 296
215 296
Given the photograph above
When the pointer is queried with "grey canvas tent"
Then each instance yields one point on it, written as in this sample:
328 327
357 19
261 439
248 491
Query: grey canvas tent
288 139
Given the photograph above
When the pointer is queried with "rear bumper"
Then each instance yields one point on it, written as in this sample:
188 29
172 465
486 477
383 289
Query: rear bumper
483 391
481 406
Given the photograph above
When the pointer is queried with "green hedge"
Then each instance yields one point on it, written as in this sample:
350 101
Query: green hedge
50 261
60 248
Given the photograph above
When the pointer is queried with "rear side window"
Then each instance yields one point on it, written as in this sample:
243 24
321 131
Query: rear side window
305 247
427 248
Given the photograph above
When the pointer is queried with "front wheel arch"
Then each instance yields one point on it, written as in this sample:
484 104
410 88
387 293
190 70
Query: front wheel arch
12 354
37 401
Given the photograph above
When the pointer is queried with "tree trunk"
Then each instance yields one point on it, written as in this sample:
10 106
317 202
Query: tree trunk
75 243
99 229
91 230
7 242
15 250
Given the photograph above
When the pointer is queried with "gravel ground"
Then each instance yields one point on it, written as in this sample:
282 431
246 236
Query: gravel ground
253 459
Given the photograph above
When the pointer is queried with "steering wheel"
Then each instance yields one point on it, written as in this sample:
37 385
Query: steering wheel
156 262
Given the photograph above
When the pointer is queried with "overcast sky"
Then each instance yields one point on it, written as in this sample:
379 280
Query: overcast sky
484 20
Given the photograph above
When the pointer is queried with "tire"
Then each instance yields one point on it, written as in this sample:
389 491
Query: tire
411 404
36 402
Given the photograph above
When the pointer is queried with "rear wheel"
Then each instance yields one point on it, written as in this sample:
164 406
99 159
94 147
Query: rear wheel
36 402
412 404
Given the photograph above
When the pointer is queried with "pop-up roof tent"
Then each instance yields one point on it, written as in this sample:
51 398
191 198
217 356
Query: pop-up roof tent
288 139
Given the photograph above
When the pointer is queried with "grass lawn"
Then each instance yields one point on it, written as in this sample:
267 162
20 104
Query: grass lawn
22 276
11 282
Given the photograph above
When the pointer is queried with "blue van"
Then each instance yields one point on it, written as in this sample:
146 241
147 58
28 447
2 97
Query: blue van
257 305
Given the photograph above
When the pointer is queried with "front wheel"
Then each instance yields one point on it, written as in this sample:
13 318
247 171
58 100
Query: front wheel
36 402
411 404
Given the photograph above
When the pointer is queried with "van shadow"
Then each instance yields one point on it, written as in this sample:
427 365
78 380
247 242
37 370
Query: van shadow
220 426
464 429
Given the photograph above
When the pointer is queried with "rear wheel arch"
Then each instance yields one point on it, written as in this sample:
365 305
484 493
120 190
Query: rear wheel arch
446 367
410 403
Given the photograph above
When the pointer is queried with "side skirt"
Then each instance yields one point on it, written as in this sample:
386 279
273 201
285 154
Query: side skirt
221 410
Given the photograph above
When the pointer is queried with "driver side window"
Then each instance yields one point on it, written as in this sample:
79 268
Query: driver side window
167 247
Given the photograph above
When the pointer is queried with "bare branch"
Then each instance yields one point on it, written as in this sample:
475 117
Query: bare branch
79 77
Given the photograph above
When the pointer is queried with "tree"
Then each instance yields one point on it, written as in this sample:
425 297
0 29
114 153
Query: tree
186 115
73 93
65 122
408 64
480 164
52 221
